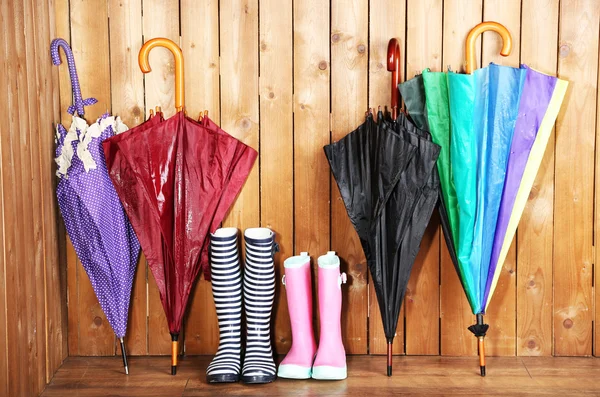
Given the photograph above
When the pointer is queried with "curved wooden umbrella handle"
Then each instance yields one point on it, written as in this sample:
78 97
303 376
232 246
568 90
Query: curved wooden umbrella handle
393 65
478 30
177 53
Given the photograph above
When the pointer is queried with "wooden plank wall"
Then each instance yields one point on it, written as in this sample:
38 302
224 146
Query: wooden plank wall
33 317
289 77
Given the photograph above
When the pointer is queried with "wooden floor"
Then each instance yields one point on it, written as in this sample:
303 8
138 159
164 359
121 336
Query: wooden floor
103 376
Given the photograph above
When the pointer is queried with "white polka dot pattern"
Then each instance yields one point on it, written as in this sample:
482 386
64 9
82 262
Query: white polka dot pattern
96 222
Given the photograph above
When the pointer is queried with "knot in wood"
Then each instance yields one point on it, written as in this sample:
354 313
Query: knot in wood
246 124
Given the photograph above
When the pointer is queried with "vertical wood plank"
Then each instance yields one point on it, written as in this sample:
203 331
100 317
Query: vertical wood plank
596 236
127 89
573 206
33 207
89 29
386 20
161 19
54 274
126 79
4 152
28 241
73 266
200 46
422 301
14 247
460 16
239 98
535 235
349 69
277 145
501 314
312 130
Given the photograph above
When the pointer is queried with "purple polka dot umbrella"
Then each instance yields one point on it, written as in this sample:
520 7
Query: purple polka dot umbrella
94 217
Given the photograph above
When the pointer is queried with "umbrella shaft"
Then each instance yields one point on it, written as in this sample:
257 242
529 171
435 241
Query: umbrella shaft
389 359
481 348
124 355
174 352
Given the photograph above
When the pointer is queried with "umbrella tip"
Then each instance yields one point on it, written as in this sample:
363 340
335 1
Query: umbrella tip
126 370
482 368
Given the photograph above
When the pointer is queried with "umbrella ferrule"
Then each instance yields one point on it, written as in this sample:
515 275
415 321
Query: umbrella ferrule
174 353
124 356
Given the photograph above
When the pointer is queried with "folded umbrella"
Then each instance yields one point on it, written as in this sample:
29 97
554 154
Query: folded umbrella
184 176
382 175
101 234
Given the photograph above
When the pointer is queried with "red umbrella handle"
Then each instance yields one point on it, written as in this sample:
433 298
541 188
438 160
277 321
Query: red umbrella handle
478 30
177 53
393 65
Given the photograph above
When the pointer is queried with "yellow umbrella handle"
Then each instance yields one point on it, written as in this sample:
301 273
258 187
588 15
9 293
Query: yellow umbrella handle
177 53
478 30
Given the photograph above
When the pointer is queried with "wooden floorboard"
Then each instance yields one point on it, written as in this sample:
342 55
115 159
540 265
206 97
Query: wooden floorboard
514 376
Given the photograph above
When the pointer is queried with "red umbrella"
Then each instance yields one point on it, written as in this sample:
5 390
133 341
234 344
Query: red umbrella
243 158
176 178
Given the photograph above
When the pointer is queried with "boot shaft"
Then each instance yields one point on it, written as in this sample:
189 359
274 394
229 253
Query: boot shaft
330 362
330 297
297 364
227 294
259 294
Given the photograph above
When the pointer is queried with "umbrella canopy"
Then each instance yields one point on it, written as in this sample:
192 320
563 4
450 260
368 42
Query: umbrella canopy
413 94
483 112
240 163
540 102
176 179
94 218
426 100
382 174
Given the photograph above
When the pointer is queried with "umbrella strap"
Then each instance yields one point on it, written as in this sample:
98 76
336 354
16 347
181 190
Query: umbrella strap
80 105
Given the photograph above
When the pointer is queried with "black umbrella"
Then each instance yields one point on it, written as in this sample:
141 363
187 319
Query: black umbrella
383 174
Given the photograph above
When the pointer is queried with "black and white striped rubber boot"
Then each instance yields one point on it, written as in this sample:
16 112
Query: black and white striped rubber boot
227 292
259 293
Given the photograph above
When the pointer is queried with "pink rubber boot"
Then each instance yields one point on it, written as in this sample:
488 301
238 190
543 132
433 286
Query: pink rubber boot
297 364
330 362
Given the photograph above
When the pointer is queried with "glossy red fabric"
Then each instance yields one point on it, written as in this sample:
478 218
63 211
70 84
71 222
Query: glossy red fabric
176 179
